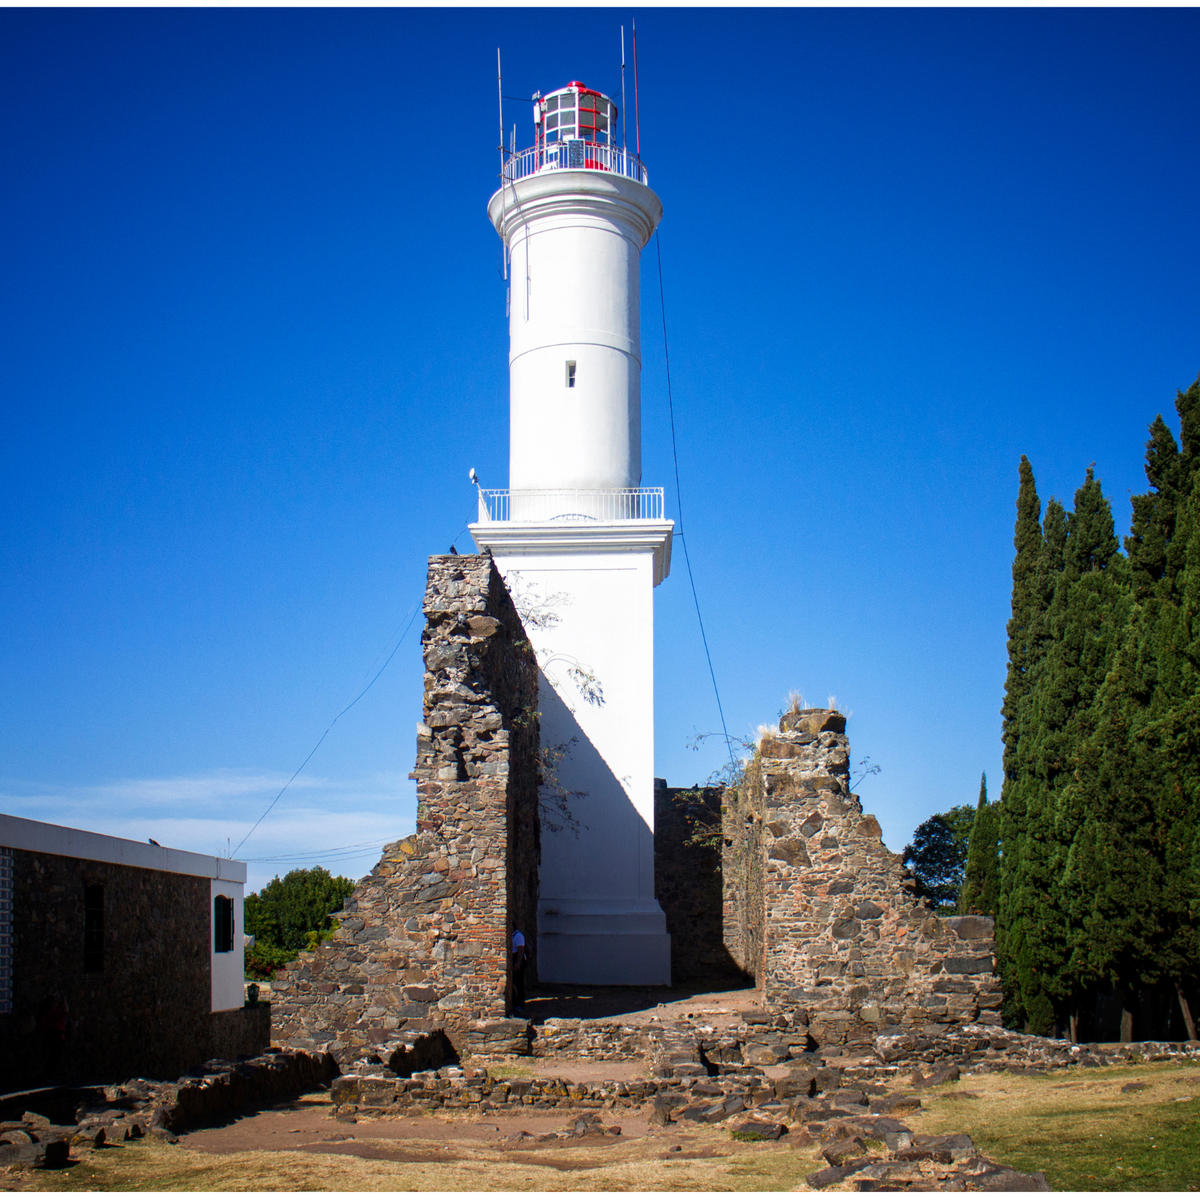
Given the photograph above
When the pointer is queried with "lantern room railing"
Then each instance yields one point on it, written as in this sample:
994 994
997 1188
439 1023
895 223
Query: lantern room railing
554 504
575 155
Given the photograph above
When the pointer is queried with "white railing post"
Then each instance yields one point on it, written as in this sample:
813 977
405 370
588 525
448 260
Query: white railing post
553 504
555 157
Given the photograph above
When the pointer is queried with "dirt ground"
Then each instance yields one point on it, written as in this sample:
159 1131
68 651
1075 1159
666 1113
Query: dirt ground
302 1147
1105 1129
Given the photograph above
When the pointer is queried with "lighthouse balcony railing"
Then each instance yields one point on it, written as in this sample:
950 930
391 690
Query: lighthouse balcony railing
544 505
574 155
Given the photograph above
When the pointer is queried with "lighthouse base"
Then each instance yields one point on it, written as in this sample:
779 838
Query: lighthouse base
584 588
597 942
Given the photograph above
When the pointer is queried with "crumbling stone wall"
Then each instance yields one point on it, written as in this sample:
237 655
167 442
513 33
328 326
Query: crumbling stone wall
145 1007
743 868
423 940
845 939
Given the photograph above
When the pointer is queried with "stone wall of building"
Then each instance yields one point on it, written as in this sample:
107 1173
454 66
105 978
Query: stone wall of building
743 867
847 944
423 940
687 881
142 1004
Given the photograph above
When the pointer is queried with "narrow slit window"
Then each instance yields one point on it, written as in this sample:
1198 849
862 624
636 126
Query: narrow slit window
570 374
93 927
222 924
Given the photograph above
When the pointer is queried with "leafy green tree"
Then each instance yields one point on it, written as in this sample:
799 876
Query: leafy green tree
293 913
938 854
981 876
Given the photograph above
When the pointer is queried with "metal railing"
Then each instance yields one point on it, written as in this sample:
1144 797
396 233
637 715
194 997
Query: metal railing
575 155
607 504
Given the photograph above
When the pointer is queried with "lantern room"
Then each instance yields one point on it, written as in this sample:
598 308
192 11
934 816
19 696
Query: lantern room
575 113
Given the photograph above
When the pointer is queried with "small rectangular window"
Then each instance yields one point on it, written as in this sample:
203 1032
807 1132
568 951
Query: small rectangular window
93 927
222 924
570 374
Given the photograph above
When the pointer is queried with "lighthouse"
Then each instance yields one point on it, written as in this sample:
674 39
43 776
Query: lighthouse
580 542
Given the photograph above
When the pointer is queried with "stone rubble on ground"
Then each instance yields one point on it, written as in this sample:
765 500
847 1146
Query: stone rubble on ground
850 1101
142 1108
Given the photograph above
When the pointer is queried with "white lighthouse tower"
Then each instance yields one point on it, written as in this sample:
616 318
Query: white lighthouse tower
580 542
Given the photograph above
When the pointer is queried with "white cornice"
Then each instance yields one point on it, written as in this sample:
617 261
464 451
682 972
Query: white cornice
590 537
571 194
38 837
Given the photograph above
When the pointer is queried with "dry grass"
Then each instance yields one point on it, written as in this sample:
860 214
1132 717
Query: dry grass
710 1161
1079 1127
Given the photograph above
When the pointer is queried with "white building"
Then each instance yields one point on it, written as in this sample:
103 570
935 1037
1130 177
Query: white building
580 542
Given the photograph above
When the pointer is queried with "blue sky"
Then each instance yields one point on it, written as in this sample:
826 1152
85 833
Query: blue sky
253 338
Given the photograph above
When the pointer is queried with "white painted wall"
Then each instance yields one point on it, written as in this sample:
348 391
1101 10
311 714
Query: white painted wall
229 967
598 920
575 239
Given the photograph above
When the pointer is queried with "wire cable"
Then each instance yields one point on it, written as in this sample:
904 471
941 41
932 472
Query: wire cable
687 558
412 617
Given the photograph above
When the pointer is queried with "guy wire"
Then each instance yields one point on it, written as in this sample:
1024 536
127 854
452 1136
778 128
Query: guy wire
687 558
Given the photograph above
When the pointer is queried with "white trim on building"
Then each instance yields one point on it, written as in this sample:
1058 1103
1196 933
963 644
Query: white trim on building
227 877
19 833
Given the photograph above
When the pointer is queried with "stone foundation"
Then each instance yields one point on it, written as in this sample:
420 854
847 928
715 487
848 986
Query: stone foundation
423 940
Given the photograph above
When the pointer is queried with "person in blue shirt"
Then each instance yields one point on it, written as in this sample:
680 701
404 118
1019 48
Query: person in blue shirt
518 972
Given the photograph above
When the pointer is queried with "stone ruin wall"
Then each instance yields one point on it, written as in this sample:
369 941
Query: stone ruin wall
687 883
422 942
826 917
801 893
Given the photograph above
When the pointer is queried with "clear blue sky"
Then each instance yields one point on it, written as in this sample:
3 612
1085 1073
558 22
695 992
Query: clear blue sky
253 337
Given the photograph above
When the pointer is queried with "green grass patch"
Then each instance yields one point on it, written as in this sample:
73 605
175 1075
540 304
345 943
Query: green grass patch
1080 1128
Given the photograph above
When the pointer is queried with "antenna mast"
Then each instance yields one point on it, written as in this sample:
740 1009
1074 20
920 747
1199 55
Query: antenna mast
624 145
637 122
500 97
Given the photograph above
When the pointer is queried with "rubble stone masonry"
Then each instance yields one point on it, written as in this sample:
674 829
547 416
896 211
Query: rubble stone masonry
825 917
142 1003
423 940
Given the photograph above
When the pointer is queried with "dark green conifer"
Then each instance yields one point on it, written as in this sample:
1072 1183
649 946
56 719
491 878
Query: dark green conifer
981 883
1085 621
1100 809
1025 650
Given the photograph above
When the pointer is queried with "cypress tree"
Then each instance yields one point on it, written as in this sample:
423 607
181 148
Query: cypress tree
1084 623
1153 523
1130 880
1100 807
981 884
1024 654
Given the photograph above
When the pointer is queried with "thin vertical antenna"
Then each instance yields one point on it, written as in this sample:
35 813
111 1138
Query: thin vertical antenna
624 141
500 97
637 121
